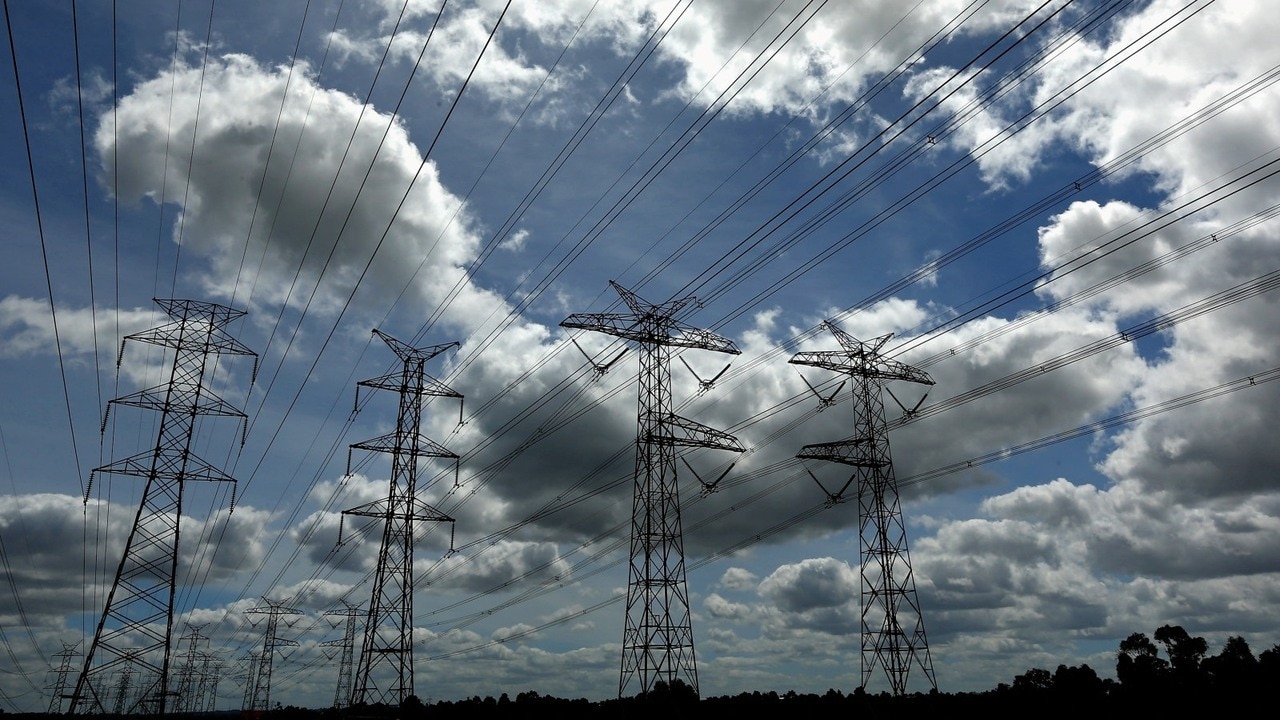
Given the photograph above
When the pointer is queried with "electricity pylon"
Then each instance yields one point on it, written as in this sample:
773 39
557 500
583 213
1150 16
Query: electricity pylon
63 671
888 604
259 697
137 622
187 674
657 638
206 694
346 649
384 674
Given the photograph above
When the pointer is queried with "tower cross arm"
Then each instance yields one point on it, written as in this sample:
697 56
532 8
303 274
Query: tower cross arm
174 335
691 337
156 398
418 446
853 451
658 330
417 510
677 430
395 381
875 367
144 464
617 324
408 353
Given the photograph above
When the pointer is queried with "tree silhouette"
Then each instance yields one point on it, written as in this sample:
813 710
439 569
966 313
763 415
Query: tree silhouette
1235 668
1139 666
1033 680
1185 652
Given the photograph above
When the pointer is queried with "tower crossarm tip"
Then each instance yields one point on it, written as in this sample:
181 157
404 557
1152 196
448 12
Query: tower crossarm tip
408 353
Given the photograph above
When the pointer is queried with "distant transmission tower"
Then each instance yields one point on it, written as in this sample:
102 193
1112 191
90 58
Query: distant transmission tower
124 685
63 671
206 695
346 653
893 636
385 670
259 698
188 673
657 638
246 671
137 622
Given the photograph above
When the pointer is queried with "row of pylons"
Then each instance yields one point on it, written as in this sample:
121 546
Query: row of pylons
128 667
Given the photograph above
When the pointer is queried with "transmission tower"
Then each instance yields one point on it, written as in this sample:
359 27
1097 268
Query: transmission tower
137 621
246 671
206 694
384 674
124 684
259 697
893 636
346 652
657 637
187 674
63 671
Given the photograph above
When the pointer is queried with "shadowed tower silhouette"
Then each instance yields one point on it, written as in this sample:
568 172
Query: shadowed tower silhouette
892 626
657 638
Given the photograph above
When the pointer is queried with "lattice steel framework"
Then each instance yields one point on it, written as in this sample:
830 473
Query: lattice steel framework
893 635
259 696
206 692
346 653
59 688
657 638
135 631
384 672
188 674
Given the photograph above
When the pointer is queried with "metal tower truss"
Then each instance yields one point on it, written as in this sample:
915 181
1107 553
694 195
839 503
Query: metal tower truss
259 696
135 630
384 673
893 635
657 638
205 694
188 674
346 650
63 671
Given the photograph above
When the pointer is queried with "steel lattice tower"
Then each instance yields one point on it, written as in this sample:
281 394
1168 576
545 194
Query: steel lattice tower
259 695
60 679
187 679
346 651
137 623
657 638
207 687
384 673
893 636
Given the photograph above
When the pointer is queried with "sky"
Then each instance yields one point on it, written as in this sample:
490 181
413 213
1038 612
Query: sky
1063 212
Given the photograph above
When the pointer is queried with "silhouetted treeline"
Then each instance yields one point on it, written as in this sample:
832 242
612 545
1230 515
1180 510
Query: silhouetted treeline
1172 670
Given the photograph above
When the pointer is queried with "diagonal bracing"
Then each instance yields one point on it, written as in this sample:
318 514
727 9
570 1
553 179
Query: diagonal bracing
384 673
657 638
127 666
892 626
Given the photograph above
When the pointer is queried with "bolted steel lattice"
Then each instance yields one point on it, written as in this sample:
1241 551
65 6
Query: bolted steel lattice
384 672
892 626
657 637
126 668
